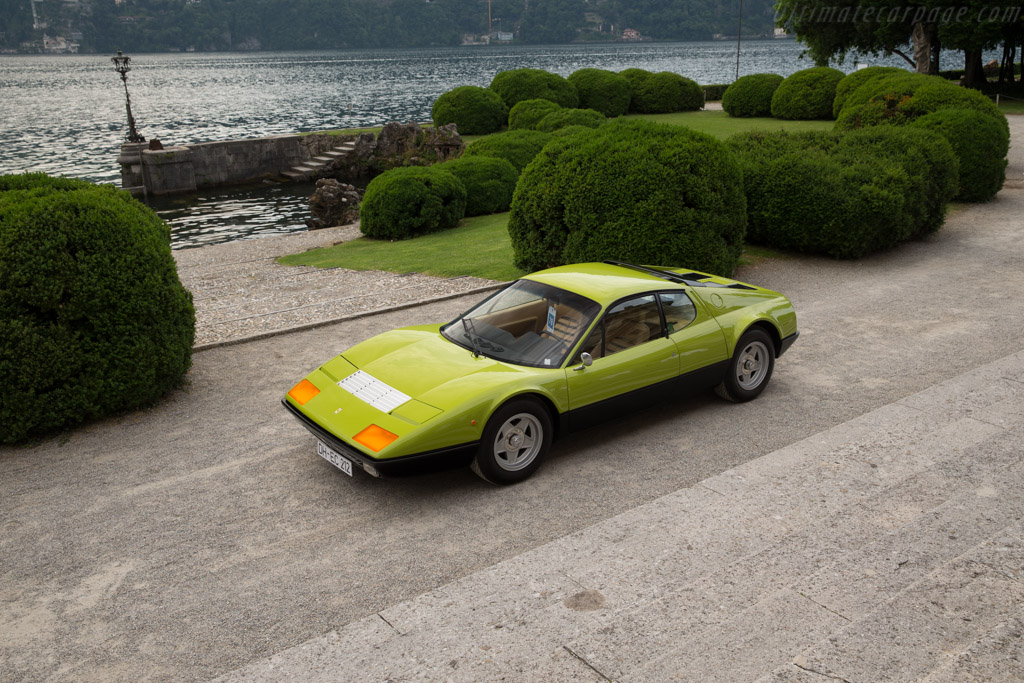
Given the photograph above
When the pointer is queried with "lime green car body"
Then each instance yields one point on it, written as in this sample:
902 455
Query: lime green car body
448 391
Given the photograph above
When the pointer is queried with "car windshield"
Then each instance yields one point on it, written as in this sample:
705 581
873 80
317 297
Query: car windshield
527 323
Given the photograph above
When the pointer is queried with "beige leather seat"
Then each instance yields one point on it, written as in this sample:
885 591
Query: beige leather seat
626 330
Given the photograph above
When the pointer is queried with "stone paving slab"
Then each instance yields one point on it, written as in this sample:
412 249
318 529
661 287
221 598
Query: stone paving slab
887 548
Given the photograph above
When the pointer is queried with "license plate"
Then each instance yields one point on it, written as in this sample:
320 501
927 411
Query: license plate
343 464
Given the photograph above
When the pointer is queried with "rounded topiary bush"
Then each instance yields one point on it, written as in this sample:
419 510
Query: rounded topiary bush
489 183
902 98
601 90
844 195
851 82
807 94
518 147
93 318
980 145
571 130
517 85
751 95
927 159
473 110
648 193
570 117
662 92
528 113
410 201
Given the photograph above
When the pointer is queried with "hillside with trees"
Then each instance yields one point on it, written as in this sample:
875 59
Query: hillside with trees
209 25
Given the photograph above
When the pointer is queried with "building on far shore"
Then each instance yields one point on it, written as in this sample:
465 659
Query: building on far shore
631 34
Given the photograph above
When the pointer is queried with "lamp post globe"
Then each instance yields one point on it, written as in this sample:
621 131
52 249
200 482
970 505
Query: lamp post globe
122 65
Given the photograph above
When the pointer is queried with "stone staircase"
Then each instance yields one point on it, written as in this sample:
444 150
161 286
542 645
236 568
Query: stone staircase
309 169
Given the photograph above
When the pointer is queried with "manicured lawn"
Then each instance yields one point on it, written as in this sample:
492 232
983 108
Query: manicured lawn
479 247
1011 106
721 125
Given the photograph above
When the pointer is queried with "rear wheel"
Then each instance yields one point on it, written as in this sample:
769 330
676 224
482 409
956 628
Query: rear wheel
515 441
750 368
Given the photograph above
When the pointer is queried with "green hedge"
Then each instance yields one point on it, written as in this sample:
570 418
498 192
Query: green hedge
518 147
571 130
714 92
648 193
474 110
531 84
662 93
851 82
603 91
845 196
411 201
489 183
528 113
926 158
899 99
980 145
751 95
571 117
807 94
93 318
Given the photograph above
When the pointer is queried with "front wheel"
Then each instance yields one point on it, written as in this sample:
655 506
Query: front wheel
750 368
514 442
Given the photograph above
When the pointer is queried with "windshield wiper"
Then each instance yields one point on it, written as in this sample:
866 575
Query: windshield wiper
470 329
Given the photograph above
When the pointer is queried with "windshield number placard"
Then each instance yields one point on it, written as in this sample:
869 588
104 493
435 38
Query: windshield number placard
550 327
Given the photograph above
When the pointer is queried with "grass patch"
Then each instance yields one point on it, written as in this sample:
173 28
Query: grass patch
479 247
753 255
721 125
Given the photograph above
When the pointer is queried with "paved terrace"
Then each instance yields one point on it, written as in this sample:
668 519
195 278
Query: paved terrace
890 547
860 521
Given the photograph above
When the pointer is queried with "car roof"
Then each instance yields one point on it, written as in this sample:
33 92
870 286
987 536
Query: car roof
605 283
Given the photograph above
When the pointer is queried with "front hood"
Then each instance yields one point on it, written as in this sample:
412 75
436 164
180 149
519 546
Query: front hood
424 365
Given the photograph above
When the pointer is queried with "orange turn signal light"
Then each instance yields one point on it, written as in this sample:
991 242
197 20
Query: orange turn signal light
375 438
303 391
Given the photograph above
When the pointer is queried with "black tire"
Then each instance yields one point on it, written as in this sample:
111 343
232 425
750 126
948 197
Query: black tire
750 368
515 441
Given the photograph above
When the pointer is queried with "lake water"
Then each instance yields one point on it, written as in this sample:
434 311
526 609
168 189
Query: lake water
64 114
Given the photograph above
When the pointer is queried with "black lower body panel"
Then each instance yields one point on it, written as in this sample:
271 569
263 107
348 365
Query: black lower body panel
418 463
663 392
786 343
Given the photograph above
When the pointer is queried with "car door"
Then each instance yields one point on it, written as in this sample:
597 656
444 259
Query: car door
632 357
698 338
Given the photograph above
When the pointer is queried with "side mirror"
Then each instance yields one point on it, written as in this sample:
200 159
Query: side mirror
586 359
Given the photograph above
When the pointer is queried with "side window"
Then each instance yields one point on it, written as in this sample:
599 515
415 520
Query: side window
679 310
594 343
631 323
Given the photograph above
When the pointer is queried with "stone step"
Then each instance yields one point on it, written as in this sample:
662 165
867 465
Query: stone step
322 160
345 147
333 154
297 176
959 609
306 167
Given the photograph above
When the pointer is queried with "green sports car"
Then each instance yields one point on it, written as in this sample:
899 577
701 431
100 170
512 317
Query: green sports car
551 353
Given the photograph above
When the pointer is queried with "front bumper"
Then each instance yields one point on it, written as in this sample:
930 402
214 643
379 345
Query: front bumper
417 463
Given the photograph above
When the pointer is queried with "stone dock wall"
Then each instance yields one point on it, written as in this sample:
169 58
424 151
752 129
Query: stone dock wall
187 168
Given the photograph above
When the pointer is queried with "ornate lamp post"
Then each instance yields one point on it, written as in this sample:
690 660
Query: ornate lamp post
121 66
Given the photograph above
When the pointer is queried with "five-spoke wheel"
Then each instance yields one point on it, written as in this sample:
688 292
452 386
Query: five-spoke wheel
750 368
514 442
